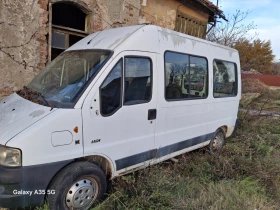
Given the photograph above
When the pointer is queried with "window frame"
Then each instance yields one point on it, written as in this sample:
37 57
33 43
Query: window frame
65 30
121 93
151 78
207 79
236 79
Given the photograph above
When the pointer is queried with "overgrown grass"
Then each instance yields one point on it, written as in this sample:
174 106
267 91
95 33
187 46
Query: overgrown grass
264 98
245 175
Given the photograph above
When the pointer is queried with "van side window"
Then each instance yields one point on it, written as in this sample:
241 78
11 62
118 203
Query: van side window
197 80
225 79
110 90
186 76
138 80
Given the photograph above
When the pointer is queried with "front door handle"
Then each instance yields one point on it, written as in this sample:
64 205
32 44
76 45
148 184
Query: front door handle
152 114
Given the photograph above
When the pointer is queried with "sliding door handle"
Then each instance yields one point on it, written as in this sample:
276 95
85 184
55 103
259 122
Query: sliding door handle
152 114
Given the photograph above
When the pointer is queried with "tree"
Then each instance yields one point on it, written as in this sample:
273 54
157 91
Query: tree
255 54
229 32
275 68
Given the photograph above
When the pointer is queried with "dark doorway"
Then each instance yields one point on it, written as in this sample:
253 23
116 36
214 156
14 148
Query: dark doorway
68 15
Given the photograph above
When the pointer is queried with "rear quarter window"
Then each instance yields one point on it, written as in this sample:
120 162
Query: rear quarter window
224 79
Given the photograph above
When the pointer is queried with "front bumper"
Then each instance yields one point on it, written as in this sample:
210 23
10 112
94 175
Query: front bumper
26 186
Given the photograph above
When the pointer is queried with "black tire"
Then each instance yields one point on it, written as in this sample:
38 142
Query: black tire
70 177
217 141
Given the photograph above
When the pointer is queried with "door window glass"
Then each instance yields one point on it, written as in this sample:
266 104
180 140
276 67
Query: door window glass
110 91
138 85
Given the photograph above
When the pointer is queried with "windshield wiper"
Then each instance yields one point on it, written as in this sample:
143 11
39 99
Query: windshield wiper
45 101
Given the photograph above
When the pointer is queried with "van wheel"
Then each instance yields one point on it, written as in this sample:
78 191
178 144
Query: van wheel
77 186
217 141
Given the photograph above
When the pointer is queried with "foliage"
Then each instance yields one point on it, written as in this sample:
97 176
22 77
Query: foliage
275 68
265 101
251 85
255 55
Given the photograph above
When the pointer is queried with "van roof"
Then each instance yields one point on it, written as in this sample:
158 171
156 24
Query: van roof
135 37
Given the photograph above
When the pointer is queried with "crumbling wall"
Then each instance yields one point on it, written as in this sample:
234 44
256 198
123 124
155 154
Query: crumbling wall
163 13
119 13
23 47
24 31
132 9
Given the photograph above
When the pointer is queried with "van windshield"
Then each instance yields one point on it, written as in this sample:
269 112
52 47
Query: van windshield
61 81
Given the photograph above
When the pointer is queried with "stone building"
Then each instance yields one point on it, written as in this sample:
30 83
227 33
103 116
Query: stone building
33 32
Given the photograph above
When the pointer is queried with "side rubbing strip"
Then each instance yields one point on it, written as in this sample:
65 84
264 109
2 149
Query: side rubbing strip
157 153
182 145
135 159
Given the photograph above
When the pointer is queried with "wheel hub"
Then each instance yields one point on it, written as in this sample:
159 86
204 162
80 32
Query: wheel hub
218 142
80 194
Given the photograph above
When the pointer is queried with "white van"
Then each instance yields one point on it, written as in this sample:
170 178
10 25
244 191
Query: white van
116 101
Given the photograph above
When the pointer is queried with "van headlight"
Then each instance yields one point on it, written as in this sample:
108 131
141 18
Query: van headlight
10 156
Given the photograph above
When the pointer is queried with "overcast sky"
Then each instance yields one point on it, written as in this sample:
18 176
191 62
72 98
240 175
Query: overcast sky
264 13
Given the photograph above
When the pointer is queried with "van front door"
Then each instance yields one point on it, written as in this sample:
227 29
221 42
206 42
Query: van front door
120 112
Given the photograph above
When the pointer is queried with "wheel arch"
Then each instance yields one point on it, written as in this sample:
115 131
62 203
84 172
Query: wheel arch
224 128
103 162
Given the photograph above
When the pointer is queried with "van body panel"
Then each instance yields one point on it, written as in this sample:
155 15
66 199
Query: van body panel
61 138
177 121
36 142
130 38
105 39
138 132
129 126
17 114
186 119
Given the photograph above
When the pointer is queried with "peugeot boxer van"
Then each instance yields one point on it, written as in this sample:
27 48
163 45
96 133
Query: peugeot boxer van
116 101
